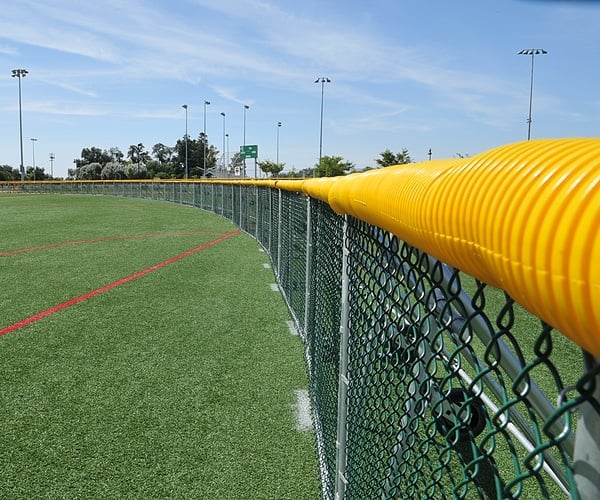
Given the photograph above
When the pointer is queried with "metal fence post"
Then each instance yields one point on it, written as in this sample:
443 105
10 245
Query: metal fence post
307 284
270 218
586 459
241 207
257 213
279 232
342 413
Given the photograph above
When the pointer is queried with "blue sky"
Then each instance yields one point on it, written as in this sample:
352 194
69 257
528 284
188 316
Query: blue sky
404 74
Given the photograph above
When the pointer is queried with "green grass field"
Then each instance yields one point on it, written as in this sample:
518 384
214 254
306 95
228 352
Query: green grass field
176 384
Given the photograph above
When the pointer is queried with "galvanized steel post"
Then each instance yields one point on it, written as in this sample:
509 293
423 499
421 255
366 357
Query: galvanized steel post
342 414
308 267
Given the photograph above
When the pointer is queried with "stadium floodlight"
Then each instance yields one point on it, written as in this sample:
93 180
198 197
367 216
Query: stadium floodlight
532 53
20 73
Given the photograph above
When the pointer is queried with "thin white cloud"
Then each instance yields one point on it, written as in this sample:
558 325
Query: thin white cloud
69 86
62 108
38 27
357 58
9 51
254 40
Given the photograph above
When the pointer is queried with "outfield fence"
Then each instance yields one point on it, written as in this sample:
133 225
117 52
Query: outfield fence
450 312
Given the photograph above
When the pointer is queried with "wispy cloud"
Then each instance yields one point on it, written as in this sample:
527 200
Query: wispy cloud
255 40
45 27
68 86
63 108
300 45
9 51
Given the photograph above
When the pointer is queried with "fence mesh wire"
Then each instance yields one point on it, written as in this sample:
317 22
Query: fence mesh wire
453 390
436 372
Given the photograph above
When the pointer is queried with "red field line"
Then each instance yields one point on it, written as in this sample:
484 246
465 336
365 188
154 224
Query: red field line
110 286
98 240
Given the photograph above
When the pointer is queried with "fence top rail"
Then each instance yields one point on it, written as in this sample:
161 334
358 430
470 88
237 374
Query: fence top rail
524 217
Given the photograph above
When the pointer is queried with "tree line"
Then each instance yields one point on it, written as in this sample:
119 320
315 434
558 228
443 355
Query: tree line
169 162
162 161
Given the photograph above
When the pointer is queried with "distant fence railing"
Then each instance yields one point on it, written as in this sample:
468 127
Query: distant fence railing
450 312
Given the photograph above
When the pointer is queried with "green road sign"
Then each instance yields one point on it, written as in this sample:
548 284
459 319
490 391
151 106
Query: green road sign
249 151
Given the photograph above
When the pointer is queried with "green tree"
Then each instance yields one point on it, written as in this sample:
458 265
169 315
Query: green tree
162 153
96 156
138 156
387 158
195 153
90 171
179 157
332 166
200 145
7 173
271 167
116 154
37 174
136 170
93 155
113 170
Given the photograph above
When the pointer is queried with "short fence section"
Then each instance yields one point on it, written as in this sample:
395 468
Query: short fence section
425 382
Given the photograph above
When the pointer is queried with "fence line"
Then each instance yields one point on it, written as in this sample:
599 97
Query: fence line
424 294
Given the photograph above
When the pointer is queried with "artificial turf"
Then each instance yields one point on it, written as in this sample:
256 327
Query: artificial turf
177 384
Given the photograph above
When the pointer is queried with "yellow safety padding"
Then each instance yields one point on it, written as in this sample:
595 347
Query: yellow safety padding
319 187
289 185
523 217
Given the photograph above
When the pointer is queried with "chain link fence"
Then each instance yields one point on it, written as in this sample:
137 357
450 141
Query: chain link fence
425 382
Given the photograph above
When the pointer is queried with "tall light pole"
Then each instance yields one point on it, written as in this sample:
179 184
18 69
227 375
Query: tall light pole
20 73
227 154
223 162
278 127
206 103
33 141
532 53
246 107
185 106
322 80
52 158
